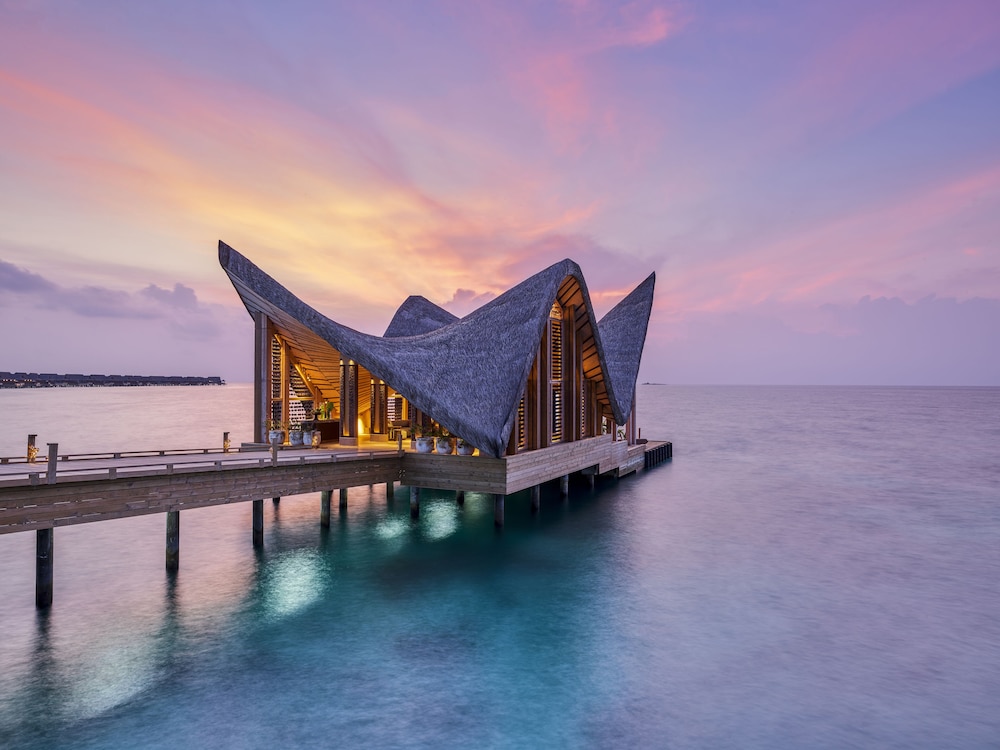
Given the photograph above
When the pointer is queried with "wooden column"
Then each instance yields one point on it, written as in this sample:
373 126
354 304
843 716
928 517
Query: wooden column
536 498
261 369
564 485
460 497
324 508
343 498
258 523
380 410
173 557
348 403
498 510
44 547
390 490
414 502
276 500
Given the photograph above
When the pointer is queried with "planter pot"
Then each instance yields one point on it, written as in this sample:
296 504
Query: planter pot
278 435
295 437
307 437
424 444
444 446
464 449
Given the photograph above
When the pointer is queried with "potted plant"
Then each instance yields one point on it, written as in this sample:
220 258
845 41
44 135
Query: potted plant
295 434
275 431
307 432
465 448
444 443
423 443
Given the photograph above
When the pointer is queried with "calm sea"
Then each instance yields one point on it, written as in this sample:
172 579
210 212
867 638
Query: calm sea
816 568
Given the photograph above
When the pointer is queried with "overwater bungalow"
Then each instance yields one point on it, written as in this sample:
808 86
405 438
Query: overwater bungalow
530 371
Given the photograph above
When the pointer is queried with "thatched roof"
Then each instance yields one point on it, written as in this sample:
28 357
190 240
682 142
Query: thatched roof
418 315
468 373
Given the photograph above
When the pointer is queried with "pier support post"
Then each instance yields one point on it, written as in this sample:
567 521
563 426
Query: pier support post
536 498
592 479
414 502
324 508
173 539
343 498
498 510
564 485
258 523
276 500
390 489
460 497
43 567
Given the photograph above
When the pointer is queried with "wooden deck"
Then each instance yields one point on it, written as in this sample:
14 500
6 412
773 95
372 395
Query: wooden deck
98 487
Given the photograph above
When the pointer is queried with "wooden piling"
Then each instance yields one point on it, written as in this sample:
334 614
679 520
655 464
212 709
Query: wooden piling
390 490
276 500
258 523
44 547
343 498
498 510
173 557
414 502
324 508
460 497
564 485
536 498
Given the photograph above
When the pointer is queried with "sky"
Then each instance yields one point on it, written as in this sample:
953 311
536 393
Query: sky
816 185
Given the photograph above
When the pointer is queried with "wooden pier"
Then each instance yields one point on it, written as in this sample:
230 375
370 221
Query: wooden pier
42 493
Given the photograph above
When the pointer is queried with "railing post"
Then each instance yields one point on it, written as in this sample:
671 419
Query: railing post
50 472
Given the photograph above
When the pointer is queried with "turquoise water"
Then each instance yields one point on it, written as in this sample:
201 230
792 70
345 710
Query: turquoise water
817 567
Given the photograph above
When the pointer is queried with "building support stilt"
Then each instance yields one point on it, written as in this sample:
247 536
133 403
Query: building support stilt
43 567
498 510
343 498
390 490
258 523
536 498
275 500
564 485
414 502
173 558
324 508
460 497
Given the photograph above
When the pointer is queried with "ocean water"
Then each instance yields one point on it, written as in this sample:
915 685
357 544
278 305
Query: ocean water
816 568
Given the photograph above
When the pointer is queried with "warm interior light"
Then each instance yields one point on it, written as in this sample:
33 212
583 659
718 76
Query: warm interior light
361 427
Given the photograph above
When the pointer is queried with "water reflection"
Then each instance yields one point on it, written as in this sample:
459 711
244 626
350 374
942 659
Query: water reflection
291 582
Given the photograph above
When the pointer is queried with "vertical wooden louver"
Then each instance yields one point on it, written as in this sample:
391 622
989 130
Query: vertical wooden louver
556 372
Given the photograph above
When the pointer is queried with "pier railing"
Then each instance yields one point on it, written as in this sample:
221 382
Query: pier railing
82 470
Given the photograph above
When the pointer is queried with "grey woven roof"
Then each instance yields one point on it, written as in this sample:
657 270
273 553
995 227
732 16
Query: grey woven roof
418 315
467 373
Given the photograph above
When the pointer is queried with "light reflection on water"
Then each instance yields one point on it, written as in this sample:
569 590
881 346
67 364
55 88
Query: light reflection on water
804 574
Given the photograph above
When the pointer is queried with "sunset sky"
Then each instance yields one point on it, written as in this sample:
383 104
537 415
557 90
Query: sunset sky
816 185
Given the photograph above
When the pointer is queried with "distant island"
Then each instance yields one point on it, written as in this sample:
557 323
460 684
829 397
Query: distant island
74 380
